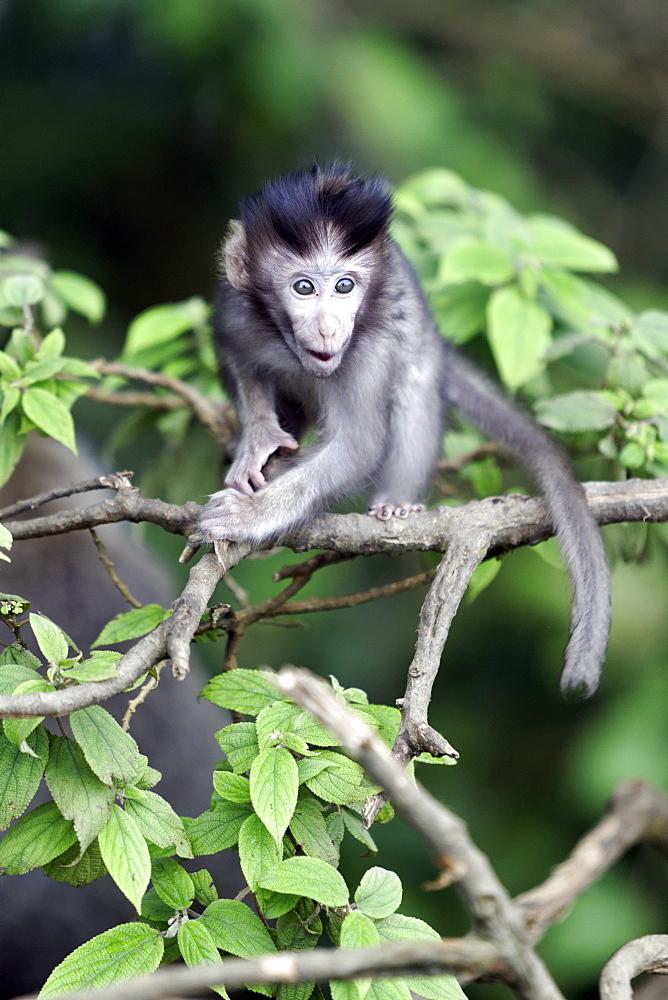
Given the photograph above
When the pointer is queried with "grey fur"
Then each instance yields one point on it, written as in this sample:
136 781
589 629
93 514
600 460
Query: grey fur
379 406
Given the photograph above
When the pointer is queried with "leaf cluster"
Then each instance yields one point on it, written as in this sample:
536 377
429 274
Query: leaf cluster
522 283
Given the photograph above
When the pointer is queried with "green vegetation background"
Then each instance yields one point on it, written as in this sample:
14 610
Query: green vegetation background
128 132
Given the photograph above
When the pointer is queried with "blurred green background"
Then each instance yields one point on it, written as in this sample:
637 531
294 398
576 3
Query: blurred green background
128 131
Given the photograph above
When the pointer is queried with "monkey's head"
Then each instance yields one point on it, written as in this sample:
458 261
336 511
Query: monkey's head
310 248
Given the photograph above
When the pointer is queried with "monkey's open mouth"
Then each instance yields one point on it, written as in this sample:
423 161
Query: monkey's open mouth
321 357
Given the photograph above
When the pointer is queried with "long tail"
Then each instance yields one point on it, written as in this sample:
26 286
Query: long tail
485 405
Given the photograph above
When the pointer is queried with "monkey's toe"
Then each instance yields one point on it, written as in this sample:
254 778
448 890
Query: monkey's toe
384 511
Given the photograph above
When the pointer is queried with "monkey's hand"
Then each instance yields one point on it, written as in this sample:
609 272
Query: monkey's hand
384 511
255 447
233 516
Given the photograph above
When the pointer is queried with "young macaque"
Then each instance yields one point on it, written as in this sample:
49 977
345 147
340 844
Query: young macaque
320 322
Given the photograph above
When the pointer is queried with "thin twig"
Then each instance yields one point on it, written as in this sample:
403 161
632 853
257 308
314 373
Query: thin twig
217 417
111 570
114 481
144 691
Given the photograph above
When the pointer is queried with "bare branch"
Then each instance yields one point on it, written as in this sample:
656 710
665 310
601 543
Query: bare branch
217 417
645 954
115 481
496 917
111 570
127 505
432 958
638 813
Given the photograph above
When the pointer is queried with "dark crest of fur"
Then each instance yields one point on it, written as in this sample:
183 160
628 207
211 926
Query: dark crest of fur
301 208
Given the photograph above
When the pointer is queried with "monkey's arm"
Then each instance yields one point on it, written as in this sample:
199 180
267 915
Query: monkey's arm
354 442
261 433
414 439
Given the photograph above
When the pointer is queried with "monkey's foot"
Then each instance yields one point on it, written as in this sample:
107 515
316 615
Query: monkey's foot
384 511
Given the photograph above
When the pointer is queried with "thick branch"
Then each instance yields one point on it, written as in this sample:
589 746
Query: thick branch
496 917
171 638
638 813
430 958
645 954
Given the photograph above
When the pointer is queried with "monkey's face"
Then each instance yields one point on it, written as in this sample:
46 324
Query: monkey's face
322 305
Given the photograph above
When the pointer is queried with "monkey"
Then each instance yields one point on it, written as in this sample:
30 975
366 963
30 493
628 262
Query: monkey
320 321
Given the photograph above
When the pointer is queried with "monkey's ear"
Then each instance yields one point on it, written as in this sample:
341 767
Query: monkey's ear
233 256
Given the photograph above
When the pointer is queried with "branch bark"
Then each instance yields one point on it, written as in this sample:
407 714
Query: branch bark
645 954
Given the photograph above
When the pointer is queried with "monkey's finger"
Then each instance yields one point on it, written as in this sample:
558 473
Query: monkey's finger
257 481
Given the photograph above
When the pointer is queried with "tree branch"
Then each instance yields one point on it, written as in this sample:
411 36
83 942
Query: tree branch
638 813
431 958
645 954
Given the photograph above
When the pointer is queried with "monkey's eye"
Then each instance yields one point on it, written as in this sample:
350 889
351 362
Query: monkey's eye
344 285
304 287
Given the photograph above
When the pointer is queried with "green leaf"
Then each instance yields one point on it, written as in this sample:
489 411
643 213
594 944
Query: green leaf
217 829
76 868
481 578
295 991
172 883
460 310
239 744
41 371
475 260
353 825
80 294
379 893
49 414
234 928
122 953
197 947
309 877
23 289
159 823
559 244
205 890
78 793
20 774
632 456
519 333
51 639
52 346
10 398
37 838
131 625
285 717
111 752
8 367
435 987
101 666
12 443
576 411
397 927
18 730
274 783
126 856
258 851
246 691
342 782
388 989
308 828
358 931
159 325
233 787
